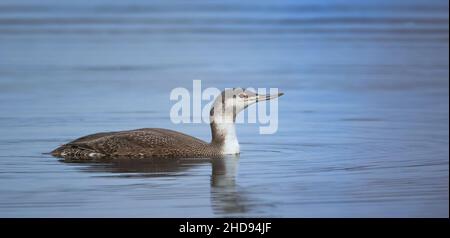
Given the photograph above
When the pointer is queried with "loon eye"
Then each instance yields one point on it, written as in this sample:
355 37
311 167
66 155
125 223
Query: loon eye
243 95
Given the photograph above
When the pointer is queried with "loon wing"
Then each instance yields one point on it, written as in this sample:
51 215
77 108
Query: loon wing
147 142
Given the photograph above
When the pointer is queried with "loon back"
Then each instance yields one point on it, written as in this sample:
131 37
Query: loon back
140 143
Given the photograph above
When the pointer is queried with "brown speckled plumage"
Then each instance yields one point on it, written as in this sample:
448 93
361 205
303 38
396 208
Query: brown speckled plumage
140 143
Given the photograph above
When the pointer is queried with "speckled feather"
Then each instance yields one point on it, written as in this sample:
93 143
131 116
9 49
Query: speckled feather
140 143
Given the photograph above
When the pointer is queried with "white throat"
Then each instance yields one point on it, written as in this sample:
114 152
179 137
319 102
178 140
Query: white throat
230 144
224 135
223 129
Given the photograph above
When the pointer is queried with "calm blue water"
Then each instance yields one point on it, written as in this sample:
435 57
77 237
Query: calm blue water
363 128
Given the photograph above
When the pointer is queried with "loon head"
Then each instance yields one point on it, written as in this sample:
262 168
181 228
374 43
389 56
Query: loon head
223 115
232 101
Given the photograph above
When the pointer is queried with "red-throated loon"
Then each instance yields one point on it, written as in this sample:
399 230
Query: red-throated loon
156 142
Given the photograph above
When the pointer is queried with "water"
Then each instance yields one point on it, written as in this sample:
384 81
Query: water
363 128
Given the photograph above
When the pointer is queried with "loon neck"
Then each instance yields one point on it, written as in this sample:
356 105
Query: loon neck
224 136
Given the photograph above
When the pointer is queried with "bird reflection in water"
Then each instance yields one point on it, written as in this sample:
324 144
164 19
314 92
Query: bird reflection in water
225 199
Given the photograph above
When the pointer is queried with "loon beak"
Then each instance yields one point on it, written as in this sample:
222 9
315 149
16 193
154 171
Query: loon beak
254 98
267 97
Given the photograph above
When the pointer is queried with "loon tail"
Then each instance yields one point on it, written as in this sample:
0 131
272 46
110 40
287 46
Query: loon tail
76 152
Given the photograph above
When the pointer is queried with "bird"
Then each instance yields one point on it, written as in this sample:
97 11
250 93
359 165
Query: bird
165 143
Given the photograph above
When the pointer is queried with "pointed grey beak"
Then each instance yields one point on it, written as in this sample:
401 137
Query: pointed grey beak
268 97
